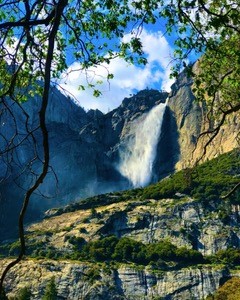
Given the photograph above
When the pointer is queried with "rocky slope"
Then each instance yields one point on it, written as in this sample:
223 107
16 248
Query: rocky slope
85 147
183 221
205 223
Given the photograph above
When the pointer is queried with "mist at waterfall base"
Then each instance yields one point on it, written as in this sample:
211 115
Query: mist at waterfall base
138 154
83 165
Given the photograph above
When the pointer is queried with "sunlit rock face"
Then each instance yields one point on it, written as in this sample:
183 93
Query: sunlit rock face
190 119
120 283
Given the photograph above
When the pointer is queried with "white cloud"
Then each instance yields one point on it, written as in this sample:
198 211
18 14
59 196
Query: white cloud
127 78
159 53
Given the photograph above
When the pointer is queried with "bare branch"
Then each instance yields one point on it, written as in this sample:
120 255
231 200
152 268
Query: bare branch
231 192
57 18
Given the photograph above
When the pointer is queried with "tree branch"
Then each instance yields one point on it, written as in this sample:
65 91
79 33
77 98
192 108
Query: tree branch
24 23
231 192
216 130
56 23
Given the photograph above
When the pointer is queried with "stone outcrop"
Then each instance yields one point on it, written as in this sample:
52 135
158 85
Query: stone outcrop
189 119
184 222
75 281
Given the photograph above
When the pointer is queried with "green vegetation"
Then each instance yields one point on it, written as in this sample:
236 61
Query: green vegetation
126 250
230 290
93 274
77 242
229 256
24 294
130 251
206 182
50 291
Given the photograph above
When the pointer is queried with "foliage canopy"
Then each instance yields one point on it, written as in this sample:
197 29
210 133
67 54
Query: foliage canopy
92 33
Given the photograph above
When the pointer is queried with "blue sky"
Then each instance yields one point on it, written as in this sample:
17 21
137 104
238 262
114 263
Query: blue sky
128 78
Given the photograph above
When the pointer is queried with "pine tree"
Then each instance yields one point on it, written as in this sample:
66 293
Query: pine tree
24 294
51 290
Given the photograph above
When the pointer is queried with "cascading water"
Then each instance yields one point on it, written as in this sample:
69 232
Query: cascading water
138 155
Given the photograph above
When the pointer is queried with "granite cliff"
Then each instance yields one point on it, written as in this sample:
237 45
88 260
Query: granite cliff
86 147
125 282
190 119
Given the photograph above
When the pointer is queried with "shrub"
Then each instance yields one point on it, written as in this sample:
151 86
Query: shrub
14 248
163 250
100 250
77 242
50 291
230 256
24 294
230 290
129 250
188 255
93 274
83 230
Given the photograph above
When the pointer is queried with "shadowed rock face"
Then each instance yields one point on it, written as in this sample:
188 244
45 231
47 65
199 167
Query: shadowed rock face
83 152
85 147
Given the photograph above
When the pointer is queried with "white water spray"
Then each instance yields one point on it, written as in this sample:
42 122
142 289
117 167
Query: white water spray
137 158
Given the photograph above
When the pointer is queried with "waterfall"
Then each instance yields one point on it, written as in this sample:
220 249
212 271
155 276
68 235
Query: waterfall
139 152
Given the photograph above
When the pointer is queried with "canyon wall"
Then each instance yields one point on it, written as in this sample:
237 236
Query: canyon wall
90 151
